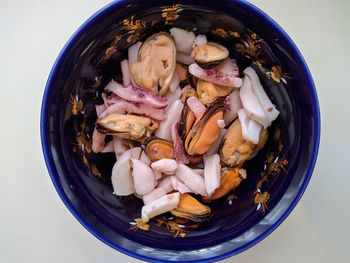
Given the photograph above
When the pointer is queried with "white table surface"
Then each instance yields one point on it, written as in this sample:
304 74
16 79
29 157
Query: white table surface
35 226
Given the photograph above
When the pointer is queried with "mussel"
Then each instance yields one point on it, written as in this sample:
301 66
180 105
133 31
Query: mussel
231 178
187 117
191 209
157 149
209 92
127 126
209 55
235 150
154 69
206 130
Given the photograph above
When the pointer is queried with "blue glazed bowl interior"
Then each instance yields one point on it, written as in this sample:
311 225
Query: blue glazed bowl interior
280 171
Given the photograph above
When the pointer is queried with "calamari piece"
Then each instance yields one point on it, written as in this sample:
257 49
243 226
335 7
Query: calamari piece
200 40
164 130
250 129
154 195
133 52
180 186
144 158
166 184
100 109
155 66
270 109
125 72
165 166
193 180
120 146
136 94
110 100
221 124
184 58
183 39
122 181
160 206
175 82
123 107
212 172
179 149
226 74
251 103
234 105
143 177
109 148
172 97
199 171
98 141
196 106
214 148
136 152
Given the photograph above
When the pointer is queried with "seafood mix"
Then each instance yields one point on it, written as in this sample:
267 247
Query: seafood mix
183 123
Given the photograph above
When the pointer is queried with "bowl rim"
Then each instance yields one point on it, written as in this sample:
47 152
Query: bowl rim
53 174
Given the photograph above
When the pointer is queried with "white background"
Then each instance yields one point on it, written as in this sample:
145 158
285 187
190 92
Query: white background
34 224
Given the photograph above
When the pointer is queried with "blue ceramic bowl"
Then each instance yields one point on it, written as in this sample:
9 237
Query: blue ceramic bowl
278 175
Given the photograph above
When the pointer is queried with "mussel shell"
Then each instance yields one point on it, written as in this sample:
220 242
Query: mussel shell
235 150
187 119
209 92
230 180
157 84
209 55
196 138
190 208
127 126
157 149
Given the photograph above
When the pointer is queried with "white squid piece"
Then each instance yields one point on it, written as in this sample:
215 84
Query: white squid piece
164 130
172 97
200 40
183 39
180 186
154 195
212 173
99 109
119 146
160 206
251 103
270 109
196 106
250 129
165 166
122 180
124 107
144 181
226 74
190 178
214 148
125 72
235 105
184 58
166 184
